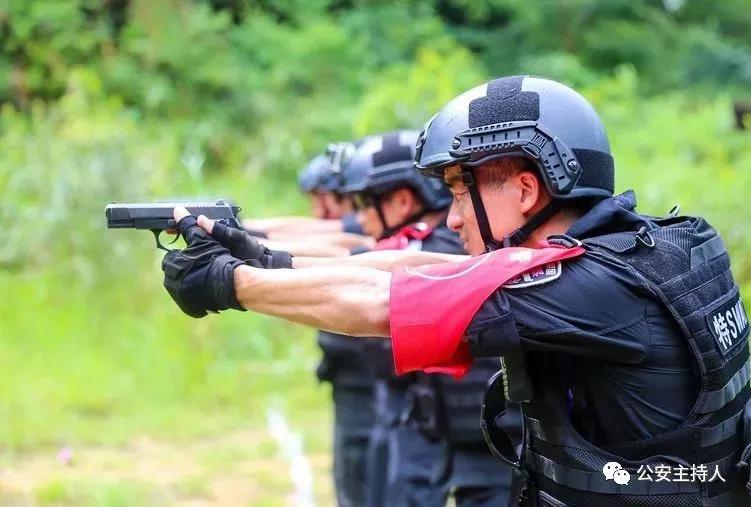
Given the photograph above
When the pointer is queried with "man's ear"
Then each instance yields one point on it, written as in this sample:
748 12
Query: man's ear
531 192
416 205
406 202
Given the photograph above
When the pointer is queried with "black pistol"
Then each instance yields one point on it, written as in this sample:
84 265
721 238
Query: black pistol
158 216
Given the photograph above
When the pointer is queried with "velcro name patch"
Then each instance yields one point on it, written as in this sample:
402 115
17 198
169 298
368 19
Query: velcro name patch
537 276
729 325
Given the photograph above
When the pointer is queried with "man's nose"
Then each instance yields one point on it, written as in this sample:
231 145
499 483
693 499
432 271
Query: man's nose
454 220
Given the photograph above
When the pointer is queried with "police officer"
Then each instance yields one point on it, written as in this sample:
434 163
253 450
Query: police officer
427 427
402 214
333 219
345 362
322 181
623 336
321 184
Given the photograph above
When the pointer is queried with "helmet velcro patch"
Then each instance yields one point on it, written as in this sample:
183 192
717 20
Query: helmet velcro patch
505 101
392 151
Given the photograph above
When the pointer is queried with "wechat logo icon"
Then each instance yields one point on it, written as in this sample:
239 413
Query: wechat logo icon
614 472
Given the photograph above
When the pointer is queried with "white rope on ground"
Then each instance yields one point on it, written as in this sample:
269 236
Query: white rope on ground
290 445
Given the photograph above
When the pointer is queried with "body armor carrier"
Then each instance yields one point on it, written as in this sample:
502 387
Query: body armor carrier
444 407
345 361
684 263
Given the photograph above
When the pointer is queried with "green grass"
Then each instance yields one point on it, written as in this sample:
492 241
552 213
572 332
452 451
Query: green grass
101 366
137 390
115 494
193 487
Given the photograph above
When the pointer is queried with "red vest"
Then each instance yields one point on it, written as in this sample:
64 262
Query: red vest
401 239
431 306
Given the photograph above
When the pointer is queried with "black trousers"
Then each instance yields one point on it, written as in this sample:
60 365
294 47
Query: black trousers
353 424
406 468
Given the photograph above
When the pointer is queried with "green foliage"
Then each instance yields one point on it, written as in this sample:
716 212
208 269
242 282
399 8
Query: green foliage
671 43
680 149
220 58
409 94
41 40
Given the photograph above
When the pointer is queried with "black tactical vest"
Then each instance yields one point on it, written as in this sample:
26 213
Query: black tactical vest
346 362
443 407
462 400
684 262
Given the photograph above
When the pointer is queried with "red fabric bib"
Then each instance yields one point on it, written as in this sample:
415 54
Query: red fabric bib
431 306
401 239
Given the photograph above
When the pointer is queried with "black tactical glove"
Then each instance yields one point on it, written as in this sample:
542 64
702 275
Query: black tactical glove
245 247
201 277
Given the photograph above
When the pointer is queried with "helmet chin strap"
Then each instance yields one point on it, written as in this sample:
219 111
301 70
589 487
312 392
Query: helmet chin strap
390 231
517 237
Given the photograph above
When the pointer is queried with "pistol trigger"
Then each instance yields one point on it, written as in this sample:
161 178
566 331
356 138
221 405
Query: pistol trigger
156 233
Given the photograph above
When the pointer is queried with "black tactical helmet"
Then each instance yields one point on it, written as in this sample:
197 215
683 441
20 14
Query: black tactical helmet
353 176
521 116
385 162
339 154
318 176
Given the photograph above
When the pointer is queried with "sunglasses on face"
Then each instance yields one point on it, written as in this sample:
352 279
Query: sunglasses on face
362 200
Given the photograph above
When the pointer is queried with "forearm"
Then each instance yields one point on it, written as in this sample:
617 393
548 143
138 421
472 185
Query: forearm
353 301
304 225
383 260
341 239
307 248
349 240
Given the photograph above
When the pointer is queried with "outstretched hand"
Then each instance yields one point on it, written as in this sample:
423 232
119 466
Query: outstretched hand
200 278
239 243
205 223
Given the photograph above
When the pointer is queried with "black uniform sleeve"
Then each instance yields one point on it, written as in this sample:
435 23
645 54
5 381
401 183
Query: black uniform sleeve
590 309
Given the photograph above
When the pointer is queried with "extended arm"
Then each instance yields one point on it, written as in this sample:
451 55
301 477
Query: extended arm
303 225
306 248
350 300
353 301
340 239
383 260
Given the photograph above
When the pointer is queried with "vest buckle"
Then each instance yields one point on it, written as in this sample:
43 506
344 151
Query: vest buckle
645 238
563 240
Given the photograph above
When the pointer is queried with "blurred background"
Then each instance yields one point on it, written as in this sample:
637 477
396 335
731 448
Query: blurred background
109 396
